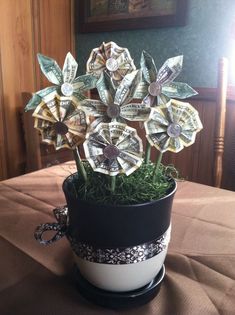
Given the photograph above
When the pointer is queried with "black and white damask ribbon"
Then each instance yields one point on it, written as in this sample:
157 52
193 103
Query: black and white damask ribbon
120 256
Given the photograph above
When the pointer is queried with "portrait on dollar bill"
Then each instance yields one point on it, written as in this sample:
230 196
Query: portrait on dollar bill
111 15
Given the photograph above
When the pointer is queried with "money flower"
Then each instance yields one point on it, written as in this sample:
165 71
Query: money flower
113 148
109 57
61 121
159 86
115 104
172 126
65 80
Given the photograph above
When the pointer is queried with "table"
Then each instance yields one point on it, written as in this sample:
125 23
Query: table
200 265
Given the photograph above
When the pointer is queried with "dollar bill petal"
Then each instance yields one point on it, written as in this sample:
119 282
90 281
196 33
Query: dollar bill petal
40 124
73 140
161 100
178 90
50 69
105 89
94 107
84 82
79 96
148 67
170 70
150 100
77 122
126 90
70 68
37 97
43 112
33 102
135 112
141 91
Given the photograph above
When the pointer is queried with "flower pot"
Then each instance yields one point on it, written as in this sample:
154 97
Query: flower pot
117 248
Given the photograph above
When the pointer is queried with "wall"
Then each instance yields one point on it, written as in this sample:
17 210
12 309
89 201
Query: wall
27 27
205 38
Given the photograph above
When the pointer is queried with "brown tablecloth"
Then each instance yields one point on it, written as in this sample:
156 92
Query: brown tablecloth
200 265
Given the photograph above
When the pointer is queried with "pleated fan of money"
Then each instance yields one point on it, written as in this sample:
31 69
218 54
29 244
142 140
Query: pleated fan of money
114 155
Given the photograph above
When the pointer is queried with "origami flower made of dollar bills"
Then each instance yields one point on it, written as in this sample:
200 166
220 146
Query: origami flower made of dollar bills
158 87
109 57
115 103
61 121
113 148
66 82
172 126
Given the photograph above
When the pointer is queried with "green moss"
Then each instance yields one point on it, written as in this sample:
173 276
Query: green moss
139 187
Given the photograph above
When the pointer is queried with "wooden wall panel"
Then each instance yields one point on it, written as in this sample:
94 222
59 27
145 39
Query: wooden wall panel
3 164
53 21
27 27
17 75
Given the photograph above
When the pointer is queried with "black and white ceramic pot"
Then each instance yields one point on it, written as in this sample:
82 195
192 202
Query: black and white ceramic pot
118 248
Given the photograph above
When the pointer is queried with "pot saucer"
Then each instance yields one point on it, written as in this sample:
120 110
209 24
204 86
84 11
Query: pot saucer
119 300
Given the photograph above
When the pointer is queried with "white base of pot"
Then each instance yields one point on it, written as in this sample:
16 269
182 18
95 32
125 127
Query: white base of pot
120 278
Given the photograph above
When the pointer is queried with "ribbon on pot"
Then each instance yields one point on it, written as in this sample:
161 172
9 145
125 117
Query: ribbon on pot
60 227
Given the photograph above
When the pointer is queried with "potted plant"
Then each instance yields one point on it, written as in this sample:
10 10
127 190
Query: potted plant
118 212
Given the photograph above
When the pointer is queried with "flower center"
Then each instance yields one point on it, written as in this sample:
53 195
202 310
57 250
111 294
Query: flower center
174 130
113 111
111 152
67 89
60 128
112 64
154 89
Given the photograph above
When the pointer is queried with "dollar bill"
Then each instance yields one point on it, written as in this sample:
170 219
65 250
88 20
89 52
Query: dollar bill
142 90
95 108
70 68
105 89
123 140
172 126
77 122
135 112
43 112
99 57
37 97
148 67
51 69
126 90
178 90
170 70
84 82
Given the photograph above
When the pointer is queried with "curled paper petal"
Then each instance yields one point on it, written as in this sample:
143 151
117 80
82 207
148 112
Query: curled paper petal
172 126
70 68
127 88
113 149
111 58
50 69
148 67
178 90
170 70
61 121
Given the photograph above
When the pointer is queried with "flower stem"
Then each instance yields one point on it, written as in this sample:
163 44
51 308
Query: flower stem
148 152
79 164
157 164
113 183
